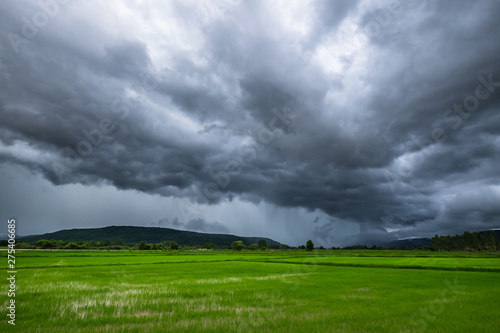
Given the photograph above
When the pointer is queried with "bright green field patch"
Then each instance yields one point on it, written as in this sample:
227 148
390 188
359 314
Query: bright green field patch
32 259
233 292
407 262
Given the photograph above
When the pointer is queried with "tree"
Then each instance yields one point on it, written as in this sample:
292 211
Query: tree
302 247
72 246
90 244
174 246
262 244
209 245
237 246
46 244
476 240
456 243
494 243
253 247
436 243
309 245
446 242
159 246
467 241
41 244
144 246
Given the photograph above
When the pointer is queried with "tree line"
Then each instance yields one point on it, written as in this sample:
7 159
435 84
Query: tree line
102 245
118 245
475 241
143 246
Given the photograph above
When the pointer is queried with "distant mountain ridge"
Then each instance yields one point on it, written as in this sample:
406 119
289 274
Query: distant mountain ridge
134 235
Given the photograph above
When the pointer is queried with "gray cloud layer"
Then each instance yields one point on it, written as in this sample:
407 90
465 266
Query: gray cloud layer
386 115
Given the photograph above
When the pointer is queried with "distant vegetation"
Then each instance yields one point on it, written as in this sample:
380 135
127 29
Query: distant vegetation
126 236
142 246
163 239
117 245
309 245
237 245
467 242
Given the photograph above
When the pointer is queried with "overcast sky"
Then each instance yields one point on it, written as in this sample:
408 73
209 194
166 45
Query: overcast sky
339 121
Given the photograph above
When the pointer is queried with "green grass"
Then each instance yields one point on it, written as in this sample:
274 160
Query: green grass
467 264
280 291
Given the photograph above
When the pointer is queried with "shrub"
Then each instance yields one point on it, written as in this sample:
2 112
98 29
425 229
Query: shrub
237 246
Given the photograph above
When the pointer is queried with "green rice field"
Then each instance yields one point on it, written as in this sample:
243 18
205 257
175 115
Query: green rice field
268 291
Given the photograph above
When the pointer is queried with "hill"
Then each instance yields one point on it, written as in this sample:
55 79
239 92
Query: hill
134 235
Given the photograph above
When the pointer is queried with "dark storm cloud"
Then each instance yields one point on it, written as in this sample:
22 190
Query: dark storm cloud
252 113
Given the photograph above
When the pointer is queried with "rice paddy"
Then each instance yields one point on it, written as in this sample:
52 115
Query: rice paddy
271 291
